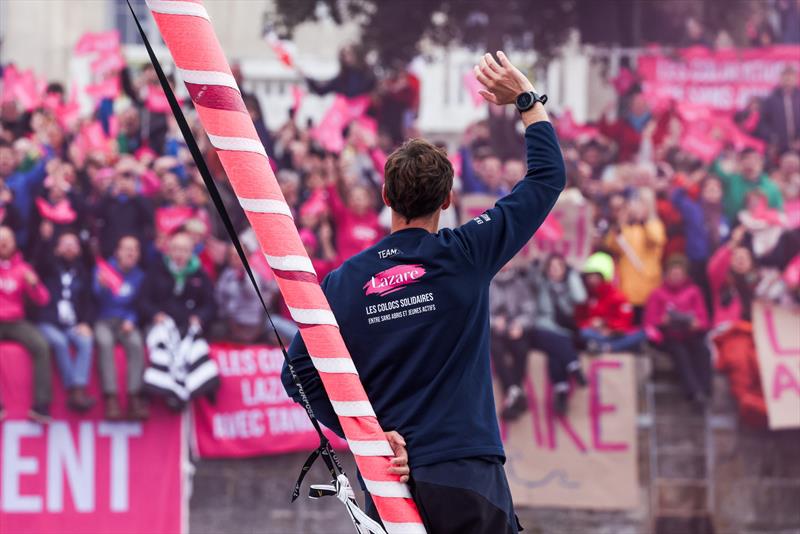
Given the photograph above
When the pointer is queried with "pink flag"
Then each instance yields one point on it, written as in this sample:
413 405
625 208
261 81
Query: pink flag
259 263
343 110
60 212
94 136
473 86
97 42
111 61
108 88
27 89
568 129
108 276
624 81
10 76
297 96
156 101
281 48
171 218
550 230
701 145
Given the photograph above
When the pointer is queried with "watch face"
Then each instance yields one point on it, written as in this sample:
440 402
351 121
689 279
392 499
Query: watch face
524 101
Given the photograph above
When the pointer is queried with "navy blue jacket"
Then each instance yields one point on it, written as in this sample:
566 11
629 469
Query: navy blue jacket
698 241
78 291
414 313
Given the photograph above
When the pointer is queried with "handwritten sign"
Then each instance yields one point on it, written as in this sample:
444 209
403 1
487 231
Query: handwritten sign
777 335
587 459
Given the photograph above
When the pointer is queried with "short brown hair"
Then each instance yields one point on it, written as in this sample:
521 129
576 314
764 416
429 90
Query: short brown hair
418 178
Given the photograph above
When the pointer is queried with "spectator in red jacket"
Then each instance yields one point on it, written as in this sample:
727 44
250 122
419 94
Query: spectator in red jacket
676 320
19 282
606 318
732 277
737 358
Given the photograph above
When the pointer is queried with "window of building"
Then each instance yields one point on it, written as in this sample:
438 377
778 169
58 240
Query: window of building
123 21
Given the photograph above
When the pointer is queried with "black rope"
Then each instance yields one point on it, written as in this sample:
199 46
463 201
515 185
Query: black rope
325 450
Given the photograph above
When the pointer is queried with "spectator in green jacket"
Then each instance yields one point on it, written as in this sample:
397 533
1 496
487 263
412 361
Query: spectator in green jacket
750 176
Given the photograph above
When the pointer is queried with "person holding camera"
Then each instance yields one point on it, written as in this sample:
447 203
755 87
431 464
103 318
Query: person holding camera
675 321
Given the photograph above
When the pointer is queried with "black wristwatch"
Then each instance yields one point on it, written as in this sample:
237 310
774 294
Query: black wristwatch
526 101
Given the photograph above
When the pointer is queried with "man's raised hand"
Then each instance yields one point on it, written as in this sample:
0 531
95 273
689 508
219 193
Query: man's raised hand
503 81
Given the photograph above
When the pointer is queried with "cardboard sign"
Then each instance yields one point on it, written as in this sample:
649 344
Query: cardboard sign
777 336
83 474
566 231
587 459
252 415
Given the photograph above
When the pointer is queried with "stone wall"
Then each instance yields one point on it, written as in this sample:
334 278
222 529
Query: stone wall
754 487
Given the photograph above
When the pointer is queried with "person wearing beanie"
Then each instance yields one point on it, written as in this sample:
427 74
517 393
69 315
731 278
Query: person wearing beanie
676 321
605 320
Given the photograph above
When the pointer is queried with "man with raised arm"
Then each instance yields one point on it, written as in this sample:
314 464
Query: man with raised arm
414 313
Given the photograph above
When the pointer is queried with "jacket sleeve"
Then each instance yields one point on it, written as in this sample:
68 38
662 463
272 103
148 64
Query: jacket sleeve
38 293
208 309
654 233
699 309
494 237
680 200
718 266
338 209
619 316
577 291
653 314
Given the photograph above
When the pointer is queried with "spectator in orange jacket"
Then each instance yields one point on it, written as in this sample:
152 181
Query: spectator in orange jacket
19 282
606 318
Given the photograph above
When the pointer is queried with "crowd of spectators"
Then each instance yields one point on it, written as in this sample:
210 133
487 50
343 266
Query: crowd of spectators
100 241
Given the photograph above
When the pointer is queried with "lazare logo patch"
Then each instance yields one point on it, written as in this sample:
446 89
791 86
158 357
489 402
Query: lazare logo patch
393 279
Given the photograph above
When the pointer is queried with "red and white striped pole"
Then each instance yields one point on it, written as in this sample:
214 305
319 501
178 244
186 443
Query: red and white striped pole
187 31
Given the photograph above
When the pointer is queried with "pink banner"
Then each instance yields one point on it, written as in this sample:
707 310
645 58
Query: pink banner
722 80
343 110
252 415
83 474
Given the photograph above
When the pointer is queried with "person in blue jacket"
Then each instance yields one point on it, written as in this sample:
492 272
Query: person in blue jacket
117 322
414 313
23 184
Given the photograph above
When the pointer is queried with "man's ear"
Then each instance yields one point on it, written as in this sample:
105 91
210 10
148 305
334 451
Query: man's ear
448 200
384 197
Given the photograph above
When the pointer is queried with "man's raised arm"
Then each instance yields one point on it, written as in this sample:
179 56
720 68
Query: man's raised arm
494 237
